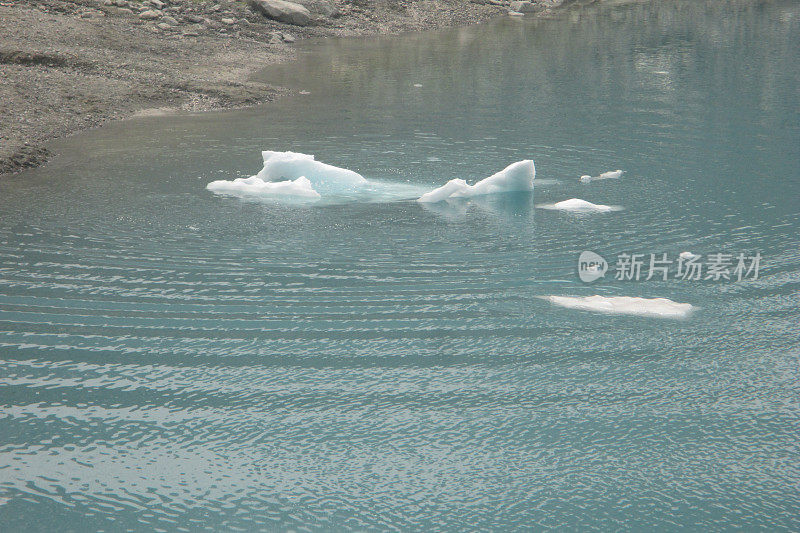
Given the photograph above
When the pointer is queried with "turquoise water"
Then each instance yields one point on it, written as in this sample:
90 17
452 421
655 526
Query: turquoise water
171 359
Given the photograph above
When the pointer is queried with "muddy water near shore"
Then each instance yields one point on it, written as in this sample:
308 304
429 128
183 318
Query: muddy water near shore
175 359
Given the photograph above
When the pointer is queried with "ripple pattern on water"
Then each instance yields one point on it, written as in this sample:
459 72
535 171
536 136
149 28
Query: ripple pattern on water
172 360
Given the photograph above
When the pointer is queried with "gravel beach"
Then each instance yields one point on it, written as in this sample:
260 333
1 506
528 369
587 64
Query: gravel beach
70 65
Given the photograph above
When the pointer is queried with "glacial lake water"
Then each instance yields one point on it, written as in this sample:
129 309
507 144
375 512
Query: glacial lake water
172 359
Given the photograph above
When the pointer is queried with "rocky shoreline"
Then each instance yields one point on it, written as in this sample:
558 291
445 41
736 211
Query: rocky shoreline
70 65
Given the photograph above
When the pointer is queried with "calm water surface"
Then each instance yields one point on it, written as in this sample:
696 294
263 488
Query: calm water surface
175 360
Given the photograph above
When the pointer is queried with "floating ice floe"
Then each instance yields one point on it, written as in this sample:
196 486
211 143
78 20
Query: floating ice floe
580 206
604 176
687 255
291 174
625 305
281 166
294 176
517 176
299 188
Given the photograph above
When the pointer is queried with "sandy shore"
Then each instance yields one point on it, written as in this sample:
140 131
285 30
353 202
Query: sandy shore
70 65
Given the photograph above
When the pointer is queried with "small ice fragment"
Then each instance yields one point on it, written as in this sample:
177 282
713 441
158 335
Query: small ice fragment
612 174
624 305
417 85
517 176
255 186
304 92
581 206
687 255
576 204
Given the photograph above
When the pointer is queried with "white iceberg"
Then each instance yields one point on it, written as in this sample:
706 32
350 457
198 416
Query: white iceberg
687 256
625 305
299 176
517 176
292 174
580 206
255 186
612 174
282 166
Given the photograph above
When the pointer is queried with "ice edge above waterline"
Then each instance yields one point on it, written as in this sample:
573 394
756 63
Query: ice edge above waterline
624 305
515 177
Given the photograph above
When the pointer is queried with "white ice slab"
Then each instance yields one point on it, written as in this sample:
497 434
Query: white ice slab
580 206
625 305
255 186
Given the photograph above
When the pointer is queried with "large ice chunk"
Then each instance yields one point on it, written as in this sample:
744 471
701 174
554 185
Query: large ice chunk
282 166
517 176
625 305
255 186
293 175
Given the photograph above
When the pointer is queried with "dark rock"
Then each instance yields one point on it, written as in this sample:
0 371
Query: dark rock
26 156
